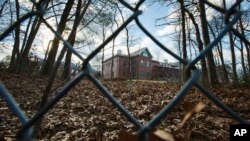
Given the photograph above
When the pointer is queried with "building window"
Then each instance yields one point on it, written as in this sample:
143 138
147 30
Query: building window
133 63
142 74
148 64
145 53
141 61
148 74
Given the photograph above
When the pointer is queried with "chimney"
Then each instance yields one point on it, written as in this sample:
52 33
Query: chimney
165 61
119 52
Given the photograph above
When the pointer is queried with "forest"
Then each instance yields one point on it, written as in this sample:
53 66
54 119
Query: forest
52 72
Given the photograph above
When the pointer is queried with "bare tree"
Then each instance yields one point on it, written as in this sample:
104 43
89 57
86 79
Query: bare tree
72 37
105 20
247 47
52 75
49 64
230 34
184 45
15 51
2 7
113 46
199 44
60 57
28 43
217 26
127 44
212 75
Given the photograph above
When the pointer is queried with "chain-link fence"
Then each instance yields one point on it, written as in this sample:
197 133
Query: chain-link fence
25 133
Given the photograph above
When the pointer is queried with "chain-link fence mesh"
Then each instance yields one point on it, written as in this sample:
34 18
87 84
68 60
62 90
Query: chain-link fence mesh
25 133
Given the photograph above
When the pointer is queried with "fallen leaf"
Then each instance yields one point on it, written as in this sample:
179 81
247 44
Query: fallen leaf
190 110
165 136
157 135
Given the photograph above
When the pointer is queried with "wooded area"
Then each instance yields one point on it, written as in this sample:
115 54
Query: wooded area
81 28
79 21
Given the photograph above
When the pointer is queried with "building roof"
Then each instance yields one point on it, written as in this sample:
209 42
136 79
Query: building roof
133 54
138 52
155 61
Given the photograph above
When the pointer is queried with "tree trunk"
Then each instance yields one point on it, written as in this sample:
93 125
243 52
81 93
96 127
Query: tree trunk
246 45
127 44
67 65
113 44
184 46
225 77
248 58
60 57
212 75
2 7
15 51
103 34
72 37
112 61
46 54
49 63
129 56
235 79
243 60
26 33
220 51
199 44
71 40
57 64
34 29
19 61
231 41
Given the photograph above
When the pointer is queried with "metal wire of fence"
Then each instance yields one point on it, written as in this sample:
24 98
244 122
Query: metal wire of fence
25 133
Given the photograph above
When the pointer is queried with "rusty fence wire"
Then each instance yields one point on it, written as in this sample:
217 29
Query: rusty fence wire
232 15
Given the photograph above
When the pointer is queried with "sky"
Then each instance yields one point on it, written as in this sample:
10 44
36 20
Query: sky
148 18
150 14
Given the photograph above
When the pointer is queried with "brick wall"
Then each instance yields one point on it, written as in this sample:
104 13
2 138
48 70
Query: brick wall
144 67
107 68
123 67
165 73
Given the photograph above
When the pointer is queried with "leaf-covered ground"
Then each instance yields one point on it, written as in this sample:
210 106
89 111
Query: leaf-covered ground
84 114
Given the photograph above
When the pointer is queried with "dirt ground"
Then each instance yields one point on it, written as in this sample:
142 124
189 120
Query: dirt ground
85 114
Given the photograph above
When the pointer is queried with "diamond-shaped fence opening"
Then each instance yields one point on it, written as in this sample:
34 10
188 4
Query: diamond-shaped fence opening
25 133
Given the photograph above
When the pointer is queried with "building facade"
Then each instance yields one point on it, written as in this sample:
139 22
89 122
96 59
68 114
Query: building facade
142 67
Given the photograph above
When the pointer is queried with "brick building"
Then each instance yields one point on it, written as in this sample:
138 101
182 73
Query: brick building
142 67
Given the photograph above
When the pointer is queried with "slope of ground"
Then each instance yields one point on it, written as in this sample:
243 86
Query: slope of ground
85 114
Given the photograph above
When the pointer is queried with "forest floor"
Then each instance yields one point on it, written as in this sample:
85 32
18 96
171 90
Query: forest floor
84 114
